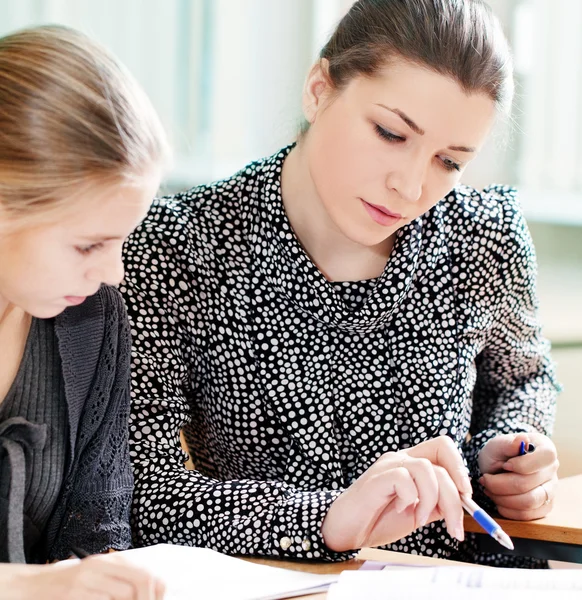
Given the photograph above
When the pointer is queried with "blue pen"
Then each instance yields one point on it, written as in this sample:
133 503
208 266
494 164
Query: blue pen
489 525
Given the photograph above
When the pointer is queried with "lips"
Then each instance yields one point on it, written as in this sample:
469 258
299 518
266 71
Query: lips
75 300
380 214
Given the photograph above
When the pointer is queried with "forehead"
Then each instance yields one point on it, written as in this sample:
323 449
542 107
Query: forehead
435 102
111 210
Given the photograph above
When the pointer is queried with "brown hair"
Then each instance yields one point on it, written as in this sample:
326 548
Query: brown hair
458 38
70 115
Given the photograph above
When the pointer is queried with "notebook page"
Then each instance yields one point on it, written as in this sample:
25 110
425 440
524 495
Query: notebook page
199 574
452 583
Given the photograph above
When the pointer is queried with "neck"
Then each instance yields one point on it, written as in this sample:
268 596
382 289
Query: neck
5 307
335 255
10 314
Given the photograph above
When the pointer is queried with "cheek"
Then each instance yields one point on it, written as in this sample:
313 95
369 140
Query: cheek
48 267
341 158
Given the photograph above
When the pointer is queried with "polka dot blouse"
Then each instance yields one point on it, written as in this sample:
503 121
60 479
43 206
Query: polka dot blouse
288 387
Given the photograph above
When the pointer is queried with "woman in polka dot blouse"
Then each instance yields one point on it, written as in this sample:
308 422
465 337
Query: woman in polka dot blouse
338 328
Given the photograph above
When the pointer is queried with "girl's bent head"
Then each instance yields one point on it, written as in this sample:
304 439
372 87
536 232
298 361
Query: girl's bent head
81 156
69 115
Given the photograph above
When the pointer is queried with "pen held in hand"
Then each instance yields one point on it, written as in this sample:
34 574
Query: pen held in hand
79 552
489 525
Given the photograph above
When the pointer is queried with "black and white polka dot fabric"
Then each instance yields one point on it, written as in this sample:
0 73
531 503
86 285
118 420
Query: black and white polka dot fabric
288 387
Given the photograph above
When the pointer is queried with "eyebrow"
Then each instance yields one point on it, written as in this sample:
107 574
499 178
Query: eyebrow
419 130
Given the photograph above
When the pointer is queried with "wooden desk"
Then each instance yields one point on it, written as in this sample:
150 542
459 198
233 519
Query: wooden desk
351 565
555 537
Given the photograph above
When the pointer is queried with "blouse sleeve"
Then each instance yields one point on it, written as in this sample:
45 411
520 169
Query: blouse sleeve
172 504
516 389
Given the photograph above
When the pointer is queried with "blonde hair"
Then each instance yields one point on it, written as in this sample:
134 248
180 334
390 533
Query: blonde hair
70 116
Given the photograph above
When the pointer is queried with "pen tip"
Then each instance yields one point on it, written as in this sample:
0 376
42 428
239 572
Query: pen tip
504 539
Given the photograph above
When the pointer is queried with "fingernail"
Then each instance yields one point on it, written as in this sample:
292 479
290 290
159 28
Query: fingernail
459 533
482 480
422 521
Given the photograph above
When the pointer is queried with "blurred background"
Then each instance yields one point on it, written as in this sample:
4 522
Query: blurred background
226 77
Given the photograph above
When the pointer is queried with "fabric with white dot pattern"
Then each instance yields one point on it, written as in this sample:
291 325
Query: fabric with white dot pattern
288 387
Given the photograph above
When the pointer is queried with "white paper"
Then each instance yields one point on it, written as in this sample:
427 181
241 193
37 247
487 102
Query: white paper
201 574
457 583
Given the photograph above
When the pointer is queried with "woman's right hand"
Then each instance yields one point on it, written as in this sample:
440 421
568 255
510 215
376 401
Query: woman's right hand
99 577
399 493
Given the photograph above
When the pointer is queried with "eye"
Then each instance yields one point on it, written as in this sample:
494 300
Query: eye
450 165
84 250
387 135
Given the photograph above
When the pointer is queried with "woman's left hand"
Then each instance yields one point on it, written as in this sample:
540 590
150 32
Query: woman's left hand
522 487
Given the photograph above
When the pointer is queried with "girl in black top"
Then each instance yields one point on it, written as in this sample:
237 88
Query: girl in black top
80 157
338 329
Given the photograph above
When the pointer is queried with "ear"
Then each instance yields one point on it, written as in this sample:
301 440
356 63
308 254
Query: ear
317 89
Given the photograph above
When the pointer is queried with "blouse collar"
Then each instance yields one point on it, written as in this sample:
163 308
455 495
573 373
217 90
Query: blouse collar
290 271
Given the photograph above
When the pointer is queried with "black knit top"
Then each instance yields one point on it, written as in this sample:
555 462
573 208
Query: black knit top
30 480
65 476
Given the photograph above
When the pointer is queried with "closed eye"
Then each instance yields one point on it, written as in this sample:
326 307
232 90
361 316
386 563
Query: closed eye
84 250
447 163
387 135
450 165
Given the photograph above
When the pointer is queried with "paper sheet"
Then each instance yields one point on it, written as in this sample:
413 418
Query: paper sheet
200 574
457 583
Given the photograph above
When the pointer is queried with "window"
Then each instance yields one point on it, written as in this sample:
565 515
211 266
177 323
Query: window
226 77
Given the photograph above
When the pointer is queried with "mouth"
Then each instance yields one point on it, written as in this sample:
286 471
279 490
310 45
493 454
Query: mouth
380 214
75 300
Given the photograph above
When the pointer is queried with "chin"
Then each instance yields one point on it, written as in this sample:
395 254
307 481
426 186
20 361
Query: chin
46 312
365 237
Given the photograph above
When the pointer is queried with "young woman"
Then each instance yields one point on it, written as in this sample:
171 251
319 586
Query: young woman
81 152
332 326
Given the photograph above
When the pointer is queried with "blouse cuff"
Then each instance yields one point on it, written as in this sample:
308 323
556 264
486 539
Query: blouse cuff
296 530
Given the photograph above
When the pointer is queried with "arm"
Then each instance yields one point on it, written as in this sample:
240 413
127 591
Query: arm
172 504
98 508
516 388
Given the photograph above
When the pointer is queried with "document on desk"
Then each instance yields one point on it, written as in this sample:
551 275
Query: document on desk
201 574
457 583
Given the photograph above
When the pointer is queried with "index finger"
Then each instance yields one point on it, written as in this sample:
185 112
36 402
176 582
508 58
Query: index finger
142 581
160 589
542 457
443 452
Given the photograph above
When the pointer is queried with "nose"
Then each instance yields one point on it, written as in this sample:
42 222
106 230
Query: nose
109 270
407 179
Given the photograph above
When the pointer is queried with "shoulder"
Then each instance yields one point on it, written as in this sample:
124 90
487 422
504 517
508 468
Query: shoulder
204 206
486 223
94 346
102 315
189 231
492 208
